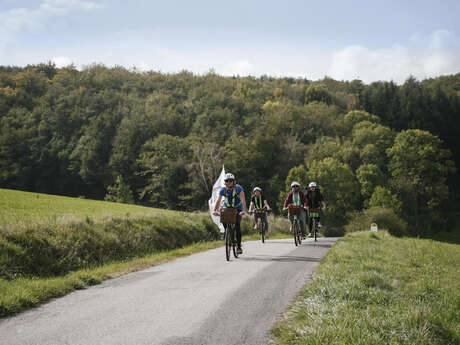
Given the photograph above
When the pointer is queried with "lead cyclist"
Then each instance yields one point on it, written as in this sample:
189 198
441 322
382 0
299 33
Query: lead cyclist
234 198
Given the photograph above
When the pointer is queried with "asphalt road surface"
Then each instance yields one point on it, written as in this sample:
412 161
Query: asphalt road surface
200 299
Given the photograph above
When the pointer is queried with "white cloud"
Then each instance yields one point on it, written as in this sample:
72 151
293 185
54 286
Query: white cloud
62 61
239 67
427 56
17 19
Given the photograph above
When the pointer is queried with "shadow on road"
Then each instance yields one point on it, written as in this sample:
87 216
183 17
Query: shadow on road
285 258
316 244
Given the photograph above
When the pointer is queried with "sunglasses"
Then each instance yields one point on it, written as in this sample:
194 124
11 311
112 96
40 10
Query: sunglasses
229 180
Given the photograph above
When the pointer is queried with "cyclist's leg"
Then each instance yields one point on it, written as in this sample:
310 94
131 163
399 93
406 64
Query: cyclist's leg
238 230
291 218
302 219
225 230
310 224
266 224
255 221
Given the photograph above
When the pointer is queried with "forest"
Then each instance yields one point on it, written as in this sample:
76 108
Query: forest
161 139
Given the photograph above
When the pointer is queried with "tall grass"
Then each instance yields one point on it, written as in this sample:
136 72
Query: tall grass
50 249
379 289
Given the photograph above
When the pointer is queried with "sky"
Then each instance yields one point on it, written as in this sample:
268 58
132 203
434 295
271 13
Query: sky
369 40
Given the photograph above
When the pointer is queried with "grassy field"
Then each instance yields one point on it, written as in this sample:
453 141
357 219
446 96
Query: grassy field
25 207
378 289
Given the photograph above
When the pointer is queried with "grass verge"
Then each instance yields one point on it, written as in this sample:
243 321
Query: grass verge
378 289
19 294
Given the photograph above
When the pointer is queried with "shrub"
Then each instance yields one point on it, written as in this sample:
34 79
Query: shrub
385 218
333 231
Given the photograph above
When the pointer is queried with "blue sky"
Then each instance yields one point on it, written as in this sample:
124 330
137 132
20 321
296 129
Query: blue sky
370 40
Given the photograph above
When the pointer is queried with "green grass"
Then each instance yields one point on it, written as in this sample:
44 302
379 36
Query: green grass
379 289
25 207
22 293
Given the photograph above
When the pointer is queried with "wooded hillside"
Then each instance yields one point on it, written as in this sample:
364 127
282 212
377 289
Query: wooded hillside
161 139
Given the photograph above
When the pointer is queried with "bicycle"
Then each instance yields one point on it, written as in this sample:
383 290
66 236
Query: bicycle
228 217
313 213
295 211
262 224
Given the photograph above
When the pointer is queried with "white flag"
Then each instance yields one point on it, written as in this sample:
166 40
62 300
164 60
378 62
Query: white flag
214 196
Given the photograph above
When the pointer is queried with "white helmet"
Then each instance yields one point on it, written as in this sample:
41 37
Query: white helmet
295 183
312 184
256 188
229 176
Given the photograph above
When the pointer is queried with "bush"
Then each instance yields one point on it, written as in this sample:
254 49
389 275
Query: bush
385 218
52 249
333 231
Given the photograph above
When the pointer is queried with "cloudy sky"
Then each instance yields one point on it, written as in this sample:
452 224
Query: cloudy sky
366 39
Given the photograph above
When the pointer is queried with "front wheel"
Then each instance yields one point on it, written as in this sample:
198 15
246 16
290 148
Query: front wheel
315 228
262 230
295 230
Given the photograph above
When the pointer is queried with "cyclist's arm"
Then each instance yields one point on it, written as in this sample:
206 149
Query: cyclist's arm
217 206
243 201
266 204
251 206
304 199
287 201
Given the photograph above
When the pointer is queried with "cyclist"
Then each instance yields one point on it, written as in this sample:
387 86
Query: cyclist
297 198
234 197
258 202
314 200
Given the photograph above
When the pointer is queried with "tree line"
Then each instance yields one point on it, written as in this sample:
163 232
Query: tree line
161 139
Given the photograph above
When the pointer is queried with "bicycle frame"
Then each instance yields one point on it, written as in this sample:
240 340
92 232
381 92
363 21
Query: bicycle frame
261 221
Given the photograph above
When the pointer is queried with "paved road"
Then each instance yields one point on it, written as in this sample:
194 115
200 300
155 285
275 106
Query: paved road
200 299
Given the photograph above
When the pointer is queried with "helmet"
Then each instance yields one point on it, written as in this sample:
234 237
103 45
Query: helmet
295 183
229 176
312 184
256 188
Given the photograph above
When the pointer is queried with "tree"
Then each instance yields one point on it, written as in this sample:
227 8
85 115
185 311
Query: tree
203 169
339 186
382 197
356 116
369 176
373 140
318 93
119 192
162 165
419 168
299 174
